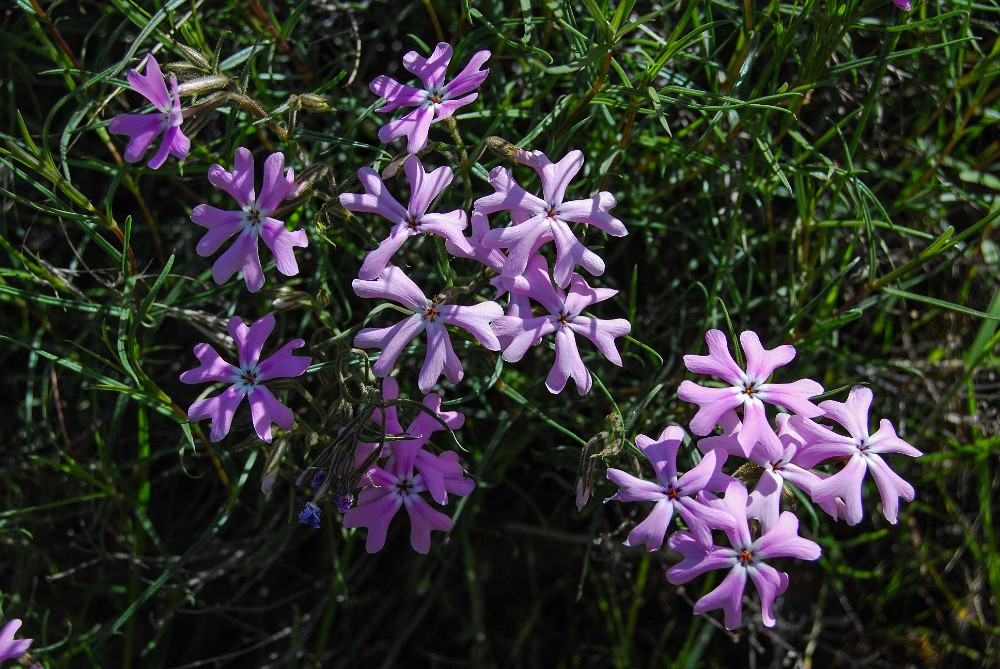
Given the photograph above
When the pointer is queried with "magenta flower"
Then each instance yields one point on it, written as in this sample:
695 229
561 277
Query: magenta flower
432 316
11 648
670 492
437 100
541 220
408 221
865 452
744 559
247 379
565 321
902 4
396 485
748 389
142 129
253 221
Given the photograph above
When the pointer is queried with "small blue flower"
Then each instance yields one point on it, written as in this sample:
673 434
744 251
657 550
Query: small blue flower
310 515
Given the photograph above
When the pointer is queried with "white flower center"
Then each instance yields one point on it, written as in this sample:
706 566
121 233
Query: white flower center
247 378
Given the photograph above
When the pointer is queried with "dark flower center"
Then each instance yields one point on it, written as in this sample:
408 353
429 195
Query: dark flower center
672 493
430 313
411 222
745 556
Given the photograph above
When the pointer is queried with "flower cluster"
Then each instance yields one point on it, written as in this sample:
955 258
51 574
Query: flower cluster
534 254
783 453
523 272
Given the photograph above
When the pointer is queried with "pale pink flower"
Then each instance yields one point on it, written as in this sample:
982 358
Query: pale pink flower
253 221
247 379
538 220
437 100
407 221
865 452
744 559
143 129
749 389
565 320
432 316
671 492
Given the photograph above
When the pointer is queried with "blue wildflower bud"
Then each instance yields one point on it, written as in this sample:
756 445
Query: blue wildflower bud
310 515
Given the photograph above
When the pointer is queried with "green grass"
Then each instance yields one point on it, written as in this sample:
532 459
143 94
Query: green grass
823 173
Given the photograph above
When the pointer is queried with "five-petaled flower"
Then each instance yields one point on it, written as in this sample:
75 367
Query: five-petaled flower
396 485
252 221
865 452
432 316
748 389
247 380
539 220
744 559
142 129
408 221
11 648
563 319
437 100
670 491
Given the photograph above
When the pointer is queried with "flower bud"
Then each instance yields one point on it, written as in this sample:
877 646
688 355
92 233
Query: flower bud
310 102
194 57
202 85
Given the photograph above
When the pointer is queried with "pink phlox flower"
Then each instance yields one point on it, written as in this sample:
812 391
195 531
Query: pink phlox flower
437 100
396 485
671 492
252 221
432 316
864 451
247 379
407 221
143 129
775 455
744 559
441 473
748 389
541 220
11 648
902 4
565 321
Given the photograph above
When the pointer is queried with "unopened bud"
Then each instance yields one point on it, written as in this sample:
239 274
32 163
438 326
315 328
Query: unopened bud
194 57
291 299
203 85
310 102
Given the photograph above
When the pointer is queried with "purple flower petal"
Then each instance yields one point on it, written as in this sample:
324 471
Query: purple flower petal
282 363
220 409
265 409
277 184
281 241
211 367
222 225
250 340
728 596
423 520
374 513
